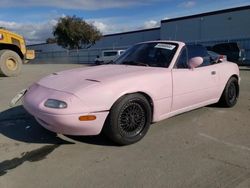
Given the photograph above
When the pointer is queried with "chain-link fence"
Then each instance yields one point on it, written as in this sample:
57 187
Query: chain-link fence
87 56
82 56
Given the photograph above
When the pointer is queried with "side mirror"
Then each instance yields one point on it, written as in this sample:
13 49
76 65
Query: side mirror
195 62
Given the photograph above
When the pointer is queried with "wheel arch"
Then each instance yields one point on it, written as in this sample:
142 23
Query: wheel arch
12 47
146 95
150 100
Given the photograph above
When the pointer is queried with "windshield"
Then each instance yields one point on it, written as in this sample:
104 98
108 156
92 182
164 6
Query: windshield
153 54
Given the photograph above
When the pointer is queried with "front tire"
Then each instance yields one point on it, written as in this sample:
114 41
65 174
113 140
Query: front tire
129 119
10 63
230 94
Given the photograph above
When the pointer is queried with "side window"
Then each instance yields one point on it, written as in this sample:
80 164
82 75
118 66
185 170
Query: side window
16 42
182 60
199 51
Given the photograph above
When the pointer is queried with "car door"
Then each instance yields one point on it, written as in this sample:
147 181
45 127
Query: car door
193 87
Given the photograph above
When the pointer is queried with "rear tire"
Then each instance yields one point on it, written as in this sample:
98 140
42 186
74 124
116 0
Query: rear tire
230 94
129 119
10 63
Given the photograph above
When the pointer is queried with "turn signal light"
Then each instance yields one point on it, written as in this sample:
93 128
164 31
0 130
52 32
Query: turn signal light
87 118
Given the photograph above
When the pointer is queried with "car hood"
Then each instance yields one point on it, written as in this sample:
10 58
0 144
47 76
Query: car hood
74 80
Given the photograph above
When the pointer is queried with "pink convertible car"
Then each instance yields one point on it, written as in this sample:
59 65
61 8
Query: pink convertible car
149 82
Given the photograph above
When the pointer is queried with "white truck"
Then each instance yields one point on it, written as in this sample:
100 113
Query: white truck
108 56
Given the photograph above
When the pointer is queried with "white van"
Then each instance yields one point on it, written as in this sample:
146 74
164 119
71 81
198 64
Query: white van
108 56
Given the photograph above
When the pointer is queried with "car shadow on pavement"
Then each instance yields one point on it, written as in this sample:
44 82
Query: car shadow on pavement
100 140
17 124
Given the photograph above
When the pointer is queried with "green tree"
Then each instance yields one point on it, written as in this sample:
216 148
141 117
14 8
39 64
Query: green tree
74 33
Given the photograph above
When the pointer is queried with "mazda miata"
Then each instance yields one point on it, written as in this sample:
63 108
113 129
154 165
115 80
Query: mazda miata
149 82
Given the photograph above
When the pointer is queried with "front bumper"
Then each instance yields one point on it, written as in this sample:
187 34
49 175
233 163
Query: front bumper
70 124
64 123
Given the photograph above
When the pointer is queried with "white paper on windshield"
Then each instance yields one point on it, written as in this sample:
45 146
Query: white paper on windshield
165 46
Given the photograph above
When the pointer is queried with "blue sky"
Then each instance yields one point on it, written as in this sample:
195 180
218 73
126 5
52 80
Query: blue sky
35 18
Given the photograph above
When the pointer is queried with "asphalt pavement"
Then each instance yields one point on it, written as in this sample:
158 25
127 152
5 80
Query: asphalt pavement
208 147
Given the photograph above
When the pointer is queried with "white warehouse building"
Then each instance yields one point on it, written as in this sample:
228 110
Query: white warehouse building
228 25
219 25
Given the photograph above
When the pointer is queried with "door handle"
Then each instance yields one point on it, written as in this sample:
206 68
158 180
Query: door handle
213 72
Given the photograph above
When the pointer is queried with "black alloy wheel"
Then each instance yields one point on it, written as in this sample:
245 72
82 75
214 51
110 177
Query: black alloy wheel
230 94
129 119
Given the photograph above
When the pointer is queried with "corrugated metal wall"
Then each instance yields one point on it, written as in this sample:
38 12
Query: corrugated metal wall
128 38
223 26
